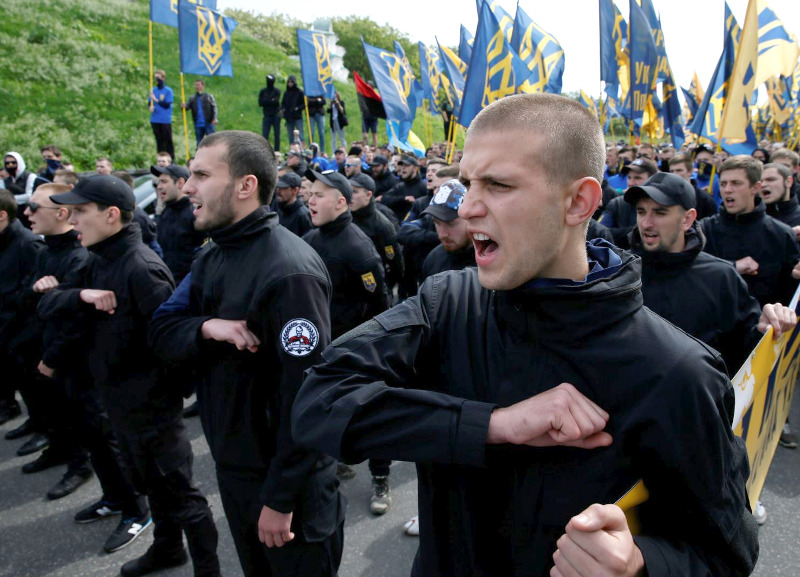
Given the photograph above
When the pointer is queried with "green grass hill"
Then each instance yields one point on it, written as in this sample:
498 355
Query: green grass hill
75 73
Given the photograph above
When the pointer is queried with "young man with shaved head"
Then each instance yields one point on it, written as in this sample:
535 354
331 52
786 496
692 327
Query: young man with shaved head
534 391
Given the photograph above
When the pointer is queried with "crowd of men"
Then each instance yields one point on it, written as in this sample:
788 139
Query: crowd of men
485 319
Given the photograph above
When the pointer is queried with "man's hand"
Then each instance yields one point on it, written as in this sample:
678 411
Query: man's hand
410 198
782 319
796 271
598 542
560 416
105 301
274 527
45 370
747 265
215 121
44 284
233 332
796 230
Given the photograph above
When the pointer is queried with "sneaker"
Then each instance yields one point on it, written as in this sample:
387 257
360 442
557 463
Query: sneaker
788 438
760 513
152 561
69 483
381 500
127 530
97 511
345 472
412 527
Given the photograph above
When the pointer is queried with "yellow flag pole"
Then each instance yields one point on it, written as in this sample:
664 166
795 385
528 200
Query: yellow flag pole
185 125
150 34
308 121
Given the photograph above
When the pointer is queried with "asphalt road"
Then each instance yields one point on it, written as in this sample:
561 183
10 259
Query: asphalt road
38 538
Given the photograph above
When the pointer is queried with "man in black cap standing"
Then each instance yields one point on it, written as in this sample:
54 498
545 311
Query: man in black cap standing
384 178
176 233
619 217
292 211
405 192
456 250
114 297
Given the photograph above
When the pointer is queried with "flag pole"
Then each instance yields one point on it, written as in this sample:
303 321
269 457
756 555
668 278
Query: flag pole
185 125
150 34
308 122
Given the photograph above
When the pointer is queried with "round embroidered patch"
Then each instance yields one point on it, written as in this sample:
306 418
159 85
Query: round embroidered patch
299 337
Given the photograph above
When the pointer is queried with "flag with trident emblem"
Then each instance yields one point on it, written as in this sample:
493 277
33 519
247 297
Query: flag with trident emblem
205 40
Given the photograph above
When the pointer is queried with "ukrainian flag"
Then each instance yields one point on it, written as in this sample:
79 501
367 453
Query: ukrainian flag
394 83
205 40
315 63
465 44
777 48
736 116
540 52
455 71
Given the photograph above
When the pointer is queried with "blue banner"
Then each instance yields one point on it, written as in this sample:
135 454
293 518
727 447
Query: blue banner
455 71
465 43
166 11
541 53
394 83
315 63
205 40
608 52
417 92
644 59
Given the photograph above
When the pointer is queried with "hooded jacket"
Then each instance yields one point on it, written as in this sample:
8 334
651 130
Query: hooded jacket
293 103
419 383
702 295
269 99
23 183
786 211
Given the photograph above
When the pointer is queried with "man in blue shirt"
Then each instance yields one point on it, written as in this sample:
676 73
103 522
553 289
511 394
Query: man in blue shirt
160 103
204 110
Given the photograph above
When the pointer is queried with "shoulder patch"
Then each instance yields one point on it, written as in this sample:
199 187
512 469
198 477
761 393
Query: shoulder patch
299 337
389 250
369 281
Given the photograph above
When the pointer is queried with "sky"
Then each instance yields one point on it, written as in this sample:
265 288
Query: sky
693 29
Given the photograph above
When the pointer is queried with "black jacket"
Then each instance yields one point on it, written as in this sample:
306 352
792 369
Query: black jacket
269 99
384 182
419 238
356 271
293 103
619 217
396 197
123 366
209 104
419 383
256 270
702 295
383 235
440 260
18 249
296 217
316 105
704 202
786 211
597 230
177 236
770 243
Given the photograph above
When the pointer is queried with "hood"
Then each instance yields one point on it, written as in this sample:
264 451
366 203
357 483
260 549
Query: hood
291 78
270 81
21 166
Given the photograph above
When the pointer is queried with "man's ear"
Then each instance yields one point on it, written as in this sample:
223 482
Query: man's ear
688 219
248 187
584 195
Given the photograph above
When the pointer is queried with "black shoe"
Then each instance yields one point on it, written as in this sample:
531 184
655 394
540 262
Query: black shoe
152 561
345 471
23 430
69 483
36 443
97 511
127 530
44 461
191 411
9 411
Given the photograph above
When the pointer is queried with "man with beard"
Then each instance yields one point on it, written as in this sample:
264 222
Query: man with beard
776 190
383 177
456 250
257 297
618 217
405 192
296 163
292 211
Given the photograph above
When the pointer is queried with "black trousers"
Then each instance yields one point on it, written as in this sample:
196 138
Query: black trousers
272 123
298 558
163 134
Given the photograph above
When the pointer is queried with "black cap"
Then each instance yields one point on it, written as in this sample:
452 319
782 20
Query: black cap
379 159
338 150
408 159
334 179
641 165
102 189
363 181
355 151
293 153
446 201
174 170
289 180
666 189
703 148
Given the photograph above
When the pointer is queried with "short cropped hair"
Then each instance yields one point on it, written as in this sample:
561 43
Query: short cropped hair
67 176
752 166
125 216
247 153
8 204
683 159
785 153
125 176
437 160
572 143
782 169
52 148
450 171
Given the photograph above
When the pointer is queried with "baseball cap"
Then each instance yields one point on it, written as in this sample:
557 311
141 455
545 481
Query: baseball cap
289 180
334 179
293 153
362 180
408 159
102 189
666 189
446 201
641 165
379 159
174 170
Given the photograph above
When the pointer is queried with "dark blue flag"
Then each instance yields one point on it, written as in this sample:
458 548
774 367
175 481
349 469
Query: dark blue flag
166 11
205 40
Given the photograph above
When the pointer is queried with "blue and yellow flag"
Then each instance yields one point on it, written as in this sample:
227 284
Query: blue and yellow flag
166 11
455 70
540 52
394 83
400 135
589 103
416 86
430 75
205 40
644 59
671 111
663 71
315 63
780 101
504 19
742 83
465 43
777 48
608 51
691 104
495 70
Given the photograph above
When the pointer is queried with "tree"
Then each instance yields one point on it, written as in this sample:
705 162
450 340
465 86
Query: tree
351 29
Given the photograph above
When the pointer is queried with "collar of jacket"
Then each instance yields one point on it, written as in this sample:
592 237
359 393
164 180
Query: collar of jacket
288 209
757 214
334 227
13 229
118 244
782 206
695 241
365 212
464 255
255 223
179 204
57 242
413 180
573 313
